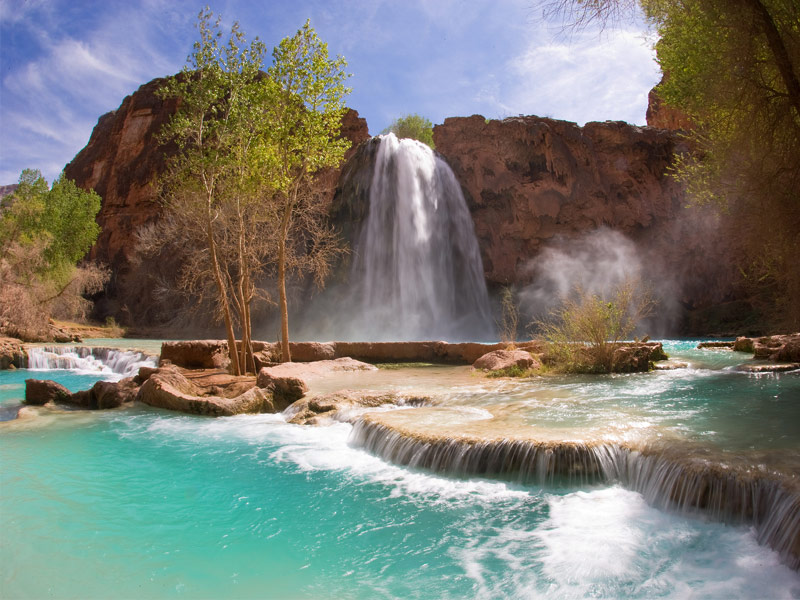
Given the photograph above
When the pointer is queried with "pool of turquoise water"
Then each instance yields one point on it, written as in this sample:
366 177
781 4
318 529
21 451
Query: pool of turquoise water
143 503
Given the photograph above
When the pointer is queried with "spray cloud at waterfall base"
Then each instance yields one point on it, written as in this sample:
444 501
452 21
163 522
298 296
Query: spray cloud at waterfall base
416 271
597 263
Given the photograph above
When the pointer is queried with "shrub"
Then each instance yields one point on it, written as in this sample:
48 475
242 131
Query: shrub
584 332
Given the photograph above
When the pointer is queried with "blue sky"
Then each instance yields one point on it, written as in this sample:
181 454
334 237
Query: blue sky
65 63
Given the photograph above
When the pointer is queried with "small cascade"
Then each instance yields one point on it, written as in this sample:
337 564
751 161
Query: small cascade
125 363
417 272
675 477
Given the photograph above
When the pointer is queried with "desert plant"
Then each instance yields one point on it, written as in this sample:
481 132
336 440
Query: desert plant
583 334
509 318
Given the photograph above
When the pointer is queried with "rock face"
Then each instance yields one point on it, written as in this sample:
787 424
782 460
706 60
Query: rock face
529 179
12 354
121 162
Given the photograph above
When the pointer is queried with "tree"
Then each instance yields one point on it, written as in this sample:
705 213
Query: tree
585 331
44 233
238 192
212 186
734 68
412 126
307 113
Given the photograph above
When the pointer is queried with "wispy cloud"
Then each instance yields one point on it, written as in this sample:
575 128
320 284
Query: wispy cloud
51 102
585 77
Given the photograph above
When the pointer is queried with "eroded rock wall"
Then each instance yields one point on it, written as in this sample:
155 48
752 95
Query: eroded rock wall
122 163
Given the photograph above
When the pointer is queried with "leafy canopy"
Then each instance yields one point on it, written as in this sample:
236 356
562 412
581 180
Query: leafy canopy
61 219
413 126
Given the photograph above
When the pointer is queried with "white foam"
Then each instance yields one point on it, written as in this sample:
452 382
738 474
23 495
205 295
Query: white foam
110 362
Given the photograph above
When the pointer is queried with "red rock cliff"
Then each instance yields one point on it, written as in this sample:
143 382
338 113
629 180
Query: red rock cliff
121 163
529 179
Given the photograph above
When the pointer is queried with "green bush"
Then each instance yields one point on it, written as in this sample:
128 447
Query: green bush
413 126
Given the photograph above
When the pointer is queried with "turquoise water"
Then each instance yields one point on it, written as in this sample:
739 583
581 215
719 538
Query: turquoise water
142 503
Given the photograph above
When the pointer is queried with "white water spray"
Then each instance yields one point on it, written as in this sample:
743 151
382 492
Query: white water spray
109 361
417 273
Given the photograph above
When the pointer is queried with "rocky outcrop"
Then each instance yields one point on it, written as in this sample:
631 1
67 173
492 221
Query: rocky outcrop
502 360
39 392
211 394
664 116
121 163
12 354
345 405
773 348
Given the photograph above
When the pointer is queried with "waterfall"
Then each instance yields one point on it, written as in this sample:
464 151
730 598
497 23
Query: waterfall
110 361
417 272
676 476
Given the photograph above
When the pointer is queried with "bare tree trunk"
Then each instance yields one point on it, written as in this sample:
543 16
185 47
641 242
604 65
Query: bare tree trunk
286 355
226 311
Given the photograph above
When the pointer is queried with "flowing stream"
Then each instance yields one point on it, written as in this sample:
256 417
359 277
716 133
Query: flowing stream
146 503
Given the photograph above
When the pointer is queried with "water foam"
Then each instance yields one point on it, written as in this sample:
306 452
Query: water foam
114 362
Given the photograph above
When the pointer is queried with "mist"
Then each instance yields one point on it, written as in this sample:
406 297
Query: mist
597 263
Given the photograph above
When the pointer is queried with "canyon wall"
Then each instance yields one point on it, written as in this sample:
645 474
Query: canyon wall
528 182
122 163
533 182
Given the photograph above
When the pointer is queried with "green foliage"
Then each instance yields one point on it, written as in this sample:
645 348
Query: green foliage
413 126
512 371
509 317
734 69
44 233
60 219
239 190
583 334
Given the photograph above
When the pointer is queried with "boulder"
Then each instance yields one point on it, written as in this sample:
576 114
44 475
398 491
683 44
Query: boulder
39 392
171 389
196 354
12 354
743 344
288 382
345 404
106 394
499 360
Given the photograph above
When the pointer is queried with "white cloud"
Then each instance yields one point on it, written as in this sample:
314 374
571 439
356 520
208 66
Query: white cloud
585 78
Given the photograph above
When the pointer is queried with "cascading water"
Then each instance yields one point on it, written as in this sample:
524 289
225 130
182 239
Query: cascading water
108 361
417 272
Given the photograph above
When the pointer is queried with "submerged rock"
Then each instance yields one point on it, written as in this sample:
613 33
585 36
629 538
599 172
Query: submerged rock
771 368
722 345
342 405
672 474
